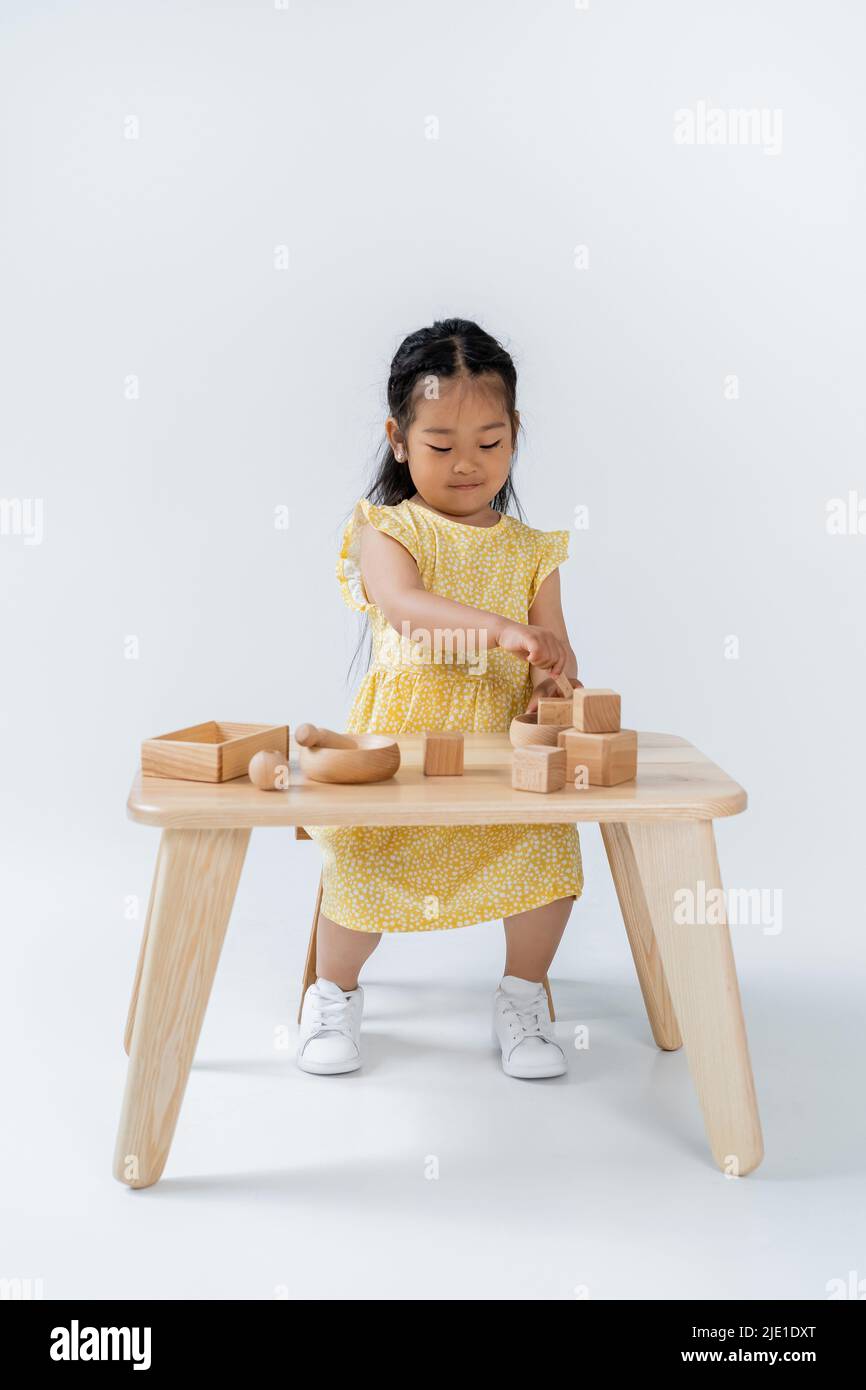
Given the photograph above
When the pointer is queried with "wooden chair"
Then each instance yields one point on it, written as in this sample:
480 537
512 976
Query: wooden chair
310 963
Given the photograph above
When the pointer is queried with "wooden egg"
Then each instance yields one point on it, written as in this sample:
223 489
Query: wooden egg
269 771
526 732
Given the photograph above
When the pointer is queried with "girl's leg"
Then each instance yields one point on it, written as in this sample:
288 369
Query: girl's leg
330 1030
531 939
341 952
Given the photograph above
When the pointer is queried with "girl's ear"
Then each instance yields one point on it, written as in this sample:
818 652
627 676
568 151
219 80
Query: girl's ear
395 438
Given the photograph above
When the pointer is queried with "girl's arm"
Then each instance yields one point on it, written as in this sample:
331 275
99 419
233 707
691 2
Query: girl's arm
393 582
546 611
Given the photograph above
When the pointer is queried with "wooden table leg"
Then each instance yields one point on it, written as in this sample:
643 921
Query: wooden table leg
638 926
142 952
197 873
697 964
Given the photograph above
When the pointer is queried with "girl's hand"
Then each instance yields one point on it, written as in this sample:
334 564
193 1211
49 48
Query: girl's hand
548 689
537 645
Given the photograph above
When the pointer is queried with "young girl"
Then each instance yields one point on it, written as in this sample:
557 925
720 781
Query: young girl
432 550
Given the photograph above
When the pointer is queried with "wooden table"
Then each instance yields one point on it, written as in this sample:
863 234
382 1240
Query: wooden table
658 833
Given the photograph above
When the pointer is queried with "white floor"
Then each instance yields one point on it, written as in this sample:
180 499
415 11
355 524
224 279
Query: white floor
279 1184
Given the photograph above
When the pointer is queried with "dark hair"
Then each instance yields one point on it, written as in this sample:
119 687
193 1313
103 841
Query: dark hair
450 348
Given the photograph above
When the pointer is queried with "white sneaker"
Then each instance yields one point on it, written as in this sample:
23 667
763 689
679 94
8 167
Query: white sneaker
330 1029
523 1030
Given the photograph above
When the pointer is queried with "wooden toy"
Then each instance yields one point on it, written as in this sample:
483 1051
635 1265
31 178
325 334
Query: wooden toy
608 758
526 732
308 736
210 752
557 712
595 711
329 757
538 769
442 754
269 770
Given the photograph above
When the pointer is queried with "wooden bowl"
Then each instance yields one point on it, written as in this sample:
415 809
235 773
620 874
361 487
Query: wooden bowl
373 758
526 732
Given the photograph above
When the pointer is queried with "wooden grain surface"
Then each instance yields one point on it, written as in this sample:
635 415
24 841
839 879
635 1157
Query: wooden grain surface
674 782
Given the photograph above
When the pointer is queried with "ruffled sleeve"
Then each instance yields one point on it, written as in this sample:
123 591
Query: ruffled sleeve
394 523
552 551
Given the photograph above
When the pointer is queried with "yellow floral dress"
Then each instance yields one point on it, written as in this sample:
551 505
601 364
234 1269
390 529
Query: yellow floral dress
423 878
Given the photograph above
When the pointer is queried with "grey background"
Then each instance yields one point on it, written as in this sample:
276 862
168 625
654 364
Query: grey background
260 387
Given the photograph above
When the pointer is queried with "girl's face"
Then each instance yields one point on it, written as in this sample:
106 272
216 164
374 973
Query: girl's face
459 446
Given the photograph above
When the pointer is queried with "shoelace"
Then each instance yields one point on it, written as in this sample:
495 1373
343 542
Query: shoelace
527 1016
330 1015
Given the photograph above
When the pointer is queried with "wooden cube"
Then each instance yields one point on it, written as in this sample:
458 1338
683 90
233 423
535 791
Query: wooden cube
608 758
443 754
555 711
538 769
596 711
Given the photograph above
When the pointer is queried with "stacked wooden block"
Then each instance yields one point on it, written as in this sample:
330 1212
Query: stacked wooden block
592 750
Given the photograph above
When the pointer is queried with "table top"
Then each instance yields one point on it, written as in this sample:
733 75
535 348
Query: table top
674 782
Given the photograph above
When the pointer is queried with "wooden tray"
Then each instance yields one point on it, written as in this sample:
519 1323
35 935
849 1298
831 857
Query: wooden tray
210 752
